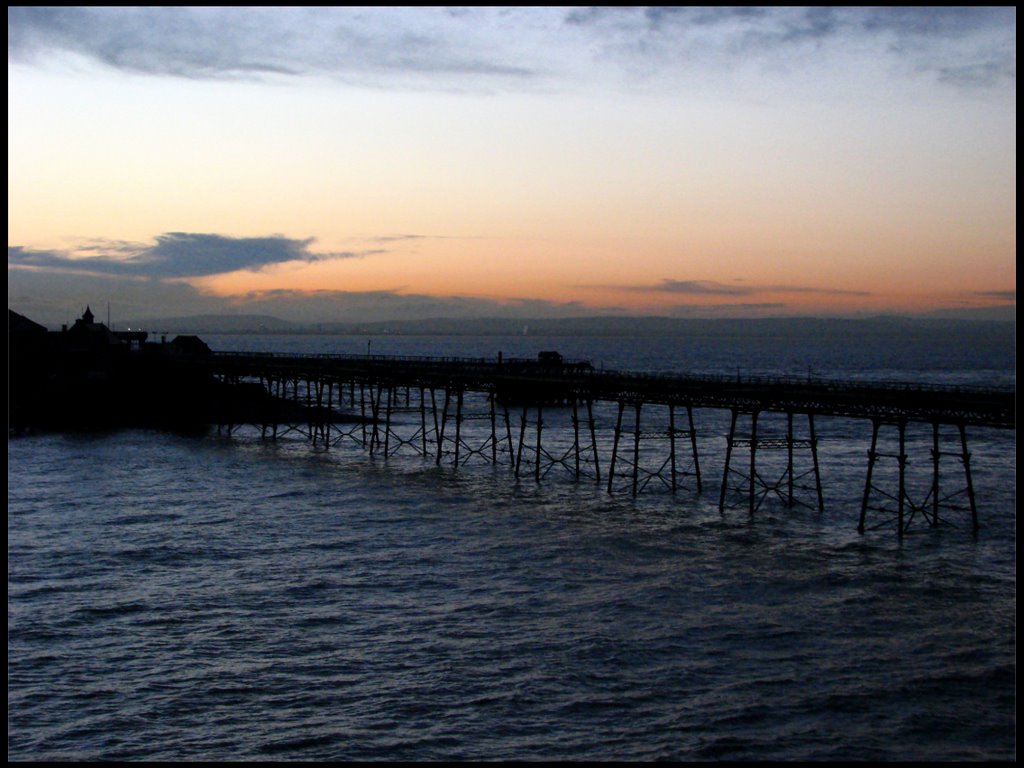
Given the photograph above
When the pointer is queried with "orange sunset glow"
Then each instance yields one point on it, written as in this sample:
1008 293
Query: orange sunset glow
580 165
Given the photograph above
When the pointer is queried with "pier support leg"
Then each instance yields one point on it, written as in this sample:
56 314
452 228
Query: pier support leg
508 435
540 425
576 435
423 418
375 412
522 437
789 459
935 474
444 420
872 457
902 461
458 423
615 446
967 474
693 446
672 443
433 408
494 427
636 448
814 458
387 420
362 409
753 460
728 457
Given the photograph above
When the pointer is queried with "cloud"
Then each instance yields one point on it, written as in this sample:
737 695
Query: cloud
979 43
701 287
750 309
367 45
512 47
999 295
713 288
175 255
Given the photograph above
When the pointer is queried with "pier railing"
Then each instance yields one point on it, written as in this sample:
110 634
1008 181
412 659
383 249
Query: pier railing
853 398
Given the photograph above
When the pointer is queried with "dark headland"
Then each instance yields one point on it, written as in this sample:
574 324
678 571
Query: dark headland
88 377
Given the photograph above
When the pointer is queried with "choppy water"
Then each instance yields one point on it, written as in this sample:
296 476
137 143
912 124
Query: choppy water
230 598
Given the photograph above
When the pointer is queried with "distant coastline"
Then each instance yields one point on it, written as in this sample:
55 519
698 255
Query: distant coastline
579 326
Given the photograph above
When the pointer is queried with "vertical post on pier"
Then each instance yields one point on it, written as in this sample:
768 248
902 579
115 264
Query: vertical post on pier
935 473
902 461
540 424
274 414
615 445
374 413
387 420
362 409
693 445
328 417
458 423
508 435
444 420
423 418
433 408
522 437
728 458
576 434
753 454
636 447
263 411
494 428
789 458
967 474
309 411
814 458
672 442
872 457
593 438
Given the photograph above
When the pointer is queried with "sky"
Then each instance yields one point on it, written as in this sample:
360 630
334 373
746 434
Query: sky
344 164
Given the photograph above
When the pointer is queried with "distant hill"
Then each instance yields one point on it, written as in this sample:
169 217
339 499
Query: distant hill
1008 313
658 326
576 326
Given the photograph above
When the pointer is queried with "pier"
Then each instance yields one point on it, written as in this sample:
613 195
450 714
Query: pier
539 414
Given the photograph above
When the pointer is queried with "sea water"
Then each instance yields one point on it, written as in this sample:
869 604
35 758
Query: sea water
229 597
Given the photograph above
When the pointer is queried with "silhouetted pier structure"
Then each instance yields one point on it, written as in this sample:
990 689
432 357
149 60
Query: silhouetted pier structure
358 397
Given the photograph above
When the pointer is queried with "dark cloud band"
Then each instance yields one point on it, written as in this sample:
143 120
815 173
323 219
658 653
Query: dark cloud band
712 288
177 255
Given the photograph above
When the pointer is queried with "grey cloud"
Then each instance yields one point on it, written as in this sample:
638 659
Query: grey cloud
1001 295
726 310
936 21
973 46
397 238
514 47
176 255
711 287
697 287
251 42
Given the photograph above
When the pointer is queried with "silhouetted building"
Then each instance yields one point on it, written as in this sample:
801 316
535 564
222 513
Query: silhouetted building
188 346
